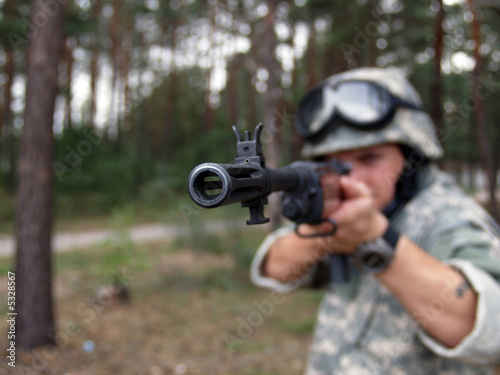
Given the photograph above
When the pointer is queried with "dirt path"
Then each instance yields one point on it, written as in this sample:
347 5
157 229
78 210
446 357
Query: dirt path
68 241
143 233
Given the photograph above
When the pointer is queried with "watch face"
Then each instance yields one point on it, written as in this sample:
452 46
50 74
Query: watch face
374 261
373 257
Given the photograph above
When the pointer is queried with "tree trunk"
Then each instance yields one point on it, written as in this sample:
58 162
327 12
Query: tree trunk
141 118
312 60
437 109
250 106
114 34
272 127
96 10
209 115
35 320
479 118
168 128
68 57
232 91
7 135
126 104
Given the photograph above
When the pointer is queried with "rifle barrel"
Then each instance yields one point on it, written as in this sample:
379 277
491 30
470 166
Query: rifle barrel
213 185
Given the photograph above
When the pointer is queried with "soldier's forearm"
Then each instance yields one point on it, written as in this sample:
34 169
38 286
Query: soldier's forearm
291 257
433 293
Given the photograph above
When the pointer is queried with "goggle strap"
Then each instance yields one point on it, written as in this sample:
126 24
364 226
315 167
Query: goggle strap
406 104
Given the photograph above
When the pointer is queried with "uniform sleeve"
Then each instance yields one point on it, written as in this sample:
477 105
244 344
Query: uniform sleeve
468 241
482 345
475 253
256 268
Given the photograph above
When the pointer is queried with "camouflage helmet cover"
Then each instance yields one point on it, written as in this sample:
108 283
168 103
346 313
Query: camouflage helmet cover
408 127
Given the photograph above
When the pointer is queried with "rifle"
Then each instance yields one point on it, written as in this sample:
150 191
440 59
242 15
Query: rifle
248 181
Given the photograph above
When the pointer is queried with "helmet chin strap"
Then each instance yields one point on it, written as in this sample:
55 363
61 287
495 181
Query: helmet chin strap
406 186
392 207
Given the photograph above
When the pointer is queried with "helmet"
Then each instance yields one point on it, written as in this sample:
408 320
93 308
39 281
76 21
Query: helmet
408 127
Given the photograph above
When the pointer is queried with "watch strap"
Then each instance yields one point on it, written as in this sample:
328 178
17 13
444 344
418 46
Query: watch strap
375 256
391 236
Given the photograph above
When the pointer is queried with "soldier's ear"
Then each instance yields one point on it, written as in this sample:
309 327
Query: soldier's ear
412 157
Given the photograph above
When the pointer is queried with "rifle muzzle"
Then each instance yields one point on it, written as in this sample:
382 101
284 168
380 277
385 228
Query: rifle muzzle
213 185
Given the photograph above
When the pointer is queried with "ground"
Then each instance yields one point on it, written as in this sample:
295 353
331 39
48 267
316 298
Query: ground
189 312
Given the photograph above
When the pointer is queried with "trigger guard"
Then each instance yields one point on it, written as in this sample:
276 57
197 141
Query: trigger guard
330 233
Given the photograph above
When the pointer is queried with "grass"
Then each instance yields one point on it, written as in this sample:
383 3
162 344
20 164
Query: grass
192 310
187 298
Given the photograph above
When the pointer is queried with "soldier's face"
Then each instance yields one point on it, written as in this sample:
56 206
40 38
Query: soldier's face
379 167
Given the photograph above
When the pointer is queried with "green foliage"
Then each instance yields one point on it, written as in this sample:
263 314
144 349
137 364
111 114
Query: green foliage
92 178
118 255
167 182
422 78
7 211
300 327
90 168
77 23
227 236
6 265
221 279
168 126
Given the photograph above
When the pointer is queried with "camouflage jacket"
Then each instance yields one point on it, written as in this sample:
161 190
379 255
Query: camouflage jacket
367 331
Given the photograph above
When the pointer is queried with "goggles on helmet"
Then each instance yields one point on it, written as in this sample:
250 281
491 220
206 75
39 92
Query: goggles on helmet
362 104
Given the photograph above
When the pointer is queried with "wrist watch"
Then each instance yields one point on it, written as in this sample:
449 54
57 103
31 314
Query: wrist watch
373 257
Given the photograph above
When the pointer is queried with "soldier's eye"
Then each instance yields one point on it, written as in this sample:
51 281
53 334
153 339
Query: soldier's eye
369 157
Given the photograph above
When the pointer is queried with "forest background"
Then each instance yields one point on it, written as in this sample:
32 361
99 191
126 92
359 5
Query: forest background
107 105
159 85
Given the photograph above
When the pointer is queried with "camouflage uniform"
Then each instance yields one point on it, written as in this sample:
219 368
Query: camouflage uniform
361 326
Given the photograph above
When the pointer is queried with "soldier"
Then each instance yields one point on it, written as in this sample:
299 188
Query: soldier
424 259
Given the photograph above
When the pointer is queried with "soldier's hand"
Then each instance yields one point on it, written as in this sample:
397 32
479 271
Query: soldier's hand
357 217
